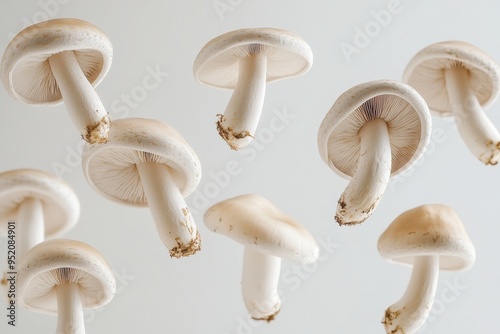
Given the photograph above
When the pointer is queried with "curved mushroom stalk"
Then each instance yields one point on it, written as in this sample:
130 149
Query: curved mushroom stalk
174 222
477 131
70 313
371 176
259 284
410 312
238 124
81 100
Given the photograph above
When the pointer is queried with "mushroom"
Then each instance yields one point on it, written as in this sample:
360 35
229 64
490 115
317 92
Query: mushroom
41 205
373 131
429 237
147 162
458 79
62 277
245 60
268 235
61 59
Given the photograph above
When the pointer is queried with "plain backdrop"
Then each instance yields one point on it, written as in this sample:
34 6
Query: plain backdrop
350 286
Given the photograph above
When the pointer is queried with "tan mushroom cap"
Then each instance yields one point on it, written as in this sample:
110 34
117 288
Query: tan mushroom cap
61 207
431 229
60 261
217 62
425 72
110 167
25 69
399 105
255 222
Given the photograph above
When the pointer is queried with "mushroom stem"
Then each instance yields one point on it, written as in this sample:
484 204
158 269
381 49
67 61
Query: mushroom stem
478 132
238 124
69 310
371 176
259 284
174 222
80 98
410 312
30 226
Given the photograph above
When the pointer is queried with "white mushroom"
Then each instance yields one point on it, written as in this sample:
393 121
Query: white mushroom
268 235
40 205
458 79
61 59
148 163
373 131
245 60
62 277
431 237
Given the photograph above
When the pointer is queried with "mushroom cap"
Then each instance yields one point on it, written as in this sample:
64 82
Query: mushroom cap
404 110
425 73
255 222
110 167
61 207
60 261
25 69
431 229
288 55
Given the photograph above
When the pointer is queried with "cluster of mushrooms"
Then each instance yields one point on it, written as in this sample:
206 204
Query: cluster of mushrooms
373 131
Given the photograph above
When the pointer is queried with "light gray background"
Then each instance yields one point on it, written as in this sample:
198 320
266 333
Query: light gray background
348 289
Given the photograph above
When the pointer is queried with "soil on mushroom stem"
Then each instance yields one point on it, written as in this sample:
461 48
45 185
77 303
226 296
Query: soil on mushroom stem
389 317
228 134
269 318
182 250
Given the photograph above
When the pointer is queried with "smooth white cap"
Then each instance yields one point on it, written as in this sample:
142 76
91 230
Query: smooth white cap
61 207
255 222
288 55
25 69
61 261
431 229
110 167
